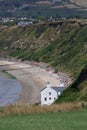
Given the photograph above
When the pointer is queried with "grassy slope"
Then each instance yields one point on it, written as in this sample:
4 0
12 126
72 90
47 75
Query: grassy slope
51 121
77 90
8 75
62 45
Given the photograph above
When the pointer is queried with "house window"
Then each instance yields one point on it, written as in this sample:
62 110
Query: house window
59 93
49 98
54 98
49 93
45 99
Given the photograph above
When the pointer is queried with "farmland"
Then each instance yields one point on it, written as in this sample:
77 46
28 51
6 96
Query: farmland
45 8
80 2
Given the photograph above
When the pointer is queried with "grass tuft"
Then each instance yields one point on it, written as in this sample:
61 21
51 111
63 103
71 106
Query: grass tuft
18 109
8 75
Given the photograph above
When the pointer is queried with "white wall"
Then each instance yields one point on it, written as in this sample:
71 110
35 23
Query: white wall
49 94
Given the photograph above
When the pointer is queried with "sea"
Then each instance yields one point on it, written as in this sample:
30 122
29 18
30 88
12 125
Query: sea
10 90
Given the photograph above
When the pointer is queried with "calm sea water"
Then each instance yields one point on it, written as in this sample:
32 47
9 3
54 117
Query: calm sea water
10 90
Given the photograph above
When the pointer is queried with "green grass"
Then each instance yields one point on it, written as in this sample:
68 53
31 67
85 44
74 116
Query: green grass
76 120
8 75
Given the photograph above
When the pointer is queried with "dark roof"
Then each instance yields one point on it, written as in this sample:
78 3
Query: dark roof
59 89
43 88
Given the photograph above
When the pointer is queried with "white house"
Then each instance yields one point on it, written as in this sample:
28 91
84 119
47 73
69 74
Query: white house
50 94
24 23
57 1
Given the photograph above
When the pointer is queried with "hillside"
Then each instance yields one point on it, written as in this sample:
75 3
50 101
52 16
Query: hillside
45 8
82 3
78 90
61 44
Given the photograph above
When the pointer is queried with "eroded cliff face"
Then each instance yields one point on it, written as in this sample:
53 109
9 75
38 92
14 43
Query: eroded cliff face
61 44
77 91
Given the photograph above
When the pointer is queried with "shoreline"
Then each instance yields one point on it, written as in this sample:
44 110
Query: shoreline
10 90
33 76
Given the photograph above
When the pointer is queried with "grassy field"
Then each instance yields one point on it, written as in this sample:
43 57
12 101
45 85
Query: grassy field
76 120
82 3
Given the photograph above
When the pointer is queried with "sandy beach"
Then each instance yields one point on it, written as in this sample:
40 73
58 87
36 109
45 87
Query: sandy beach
33 78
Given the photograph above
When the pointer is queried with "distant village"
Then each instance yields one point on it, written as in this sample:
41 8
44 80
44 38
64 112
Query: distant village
24 21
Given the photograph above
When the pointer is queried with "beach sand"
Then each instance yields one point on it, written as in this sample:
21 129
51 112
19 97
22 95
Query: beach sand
33 78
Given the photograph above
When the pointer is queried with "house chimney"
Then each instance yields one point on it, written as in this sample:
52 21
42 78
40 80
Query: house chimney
48 84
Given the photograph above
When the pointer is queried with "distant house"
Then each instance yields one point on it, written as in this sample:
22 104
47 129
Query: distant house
24 23
57 1
51 93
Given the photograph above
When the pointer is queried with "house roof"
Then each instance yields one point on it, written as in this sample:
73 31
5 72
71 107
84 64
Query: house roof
59 89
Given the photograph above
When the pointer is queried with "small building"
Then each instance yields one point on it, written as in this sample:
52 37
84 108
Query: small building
24 23
50 94
56 1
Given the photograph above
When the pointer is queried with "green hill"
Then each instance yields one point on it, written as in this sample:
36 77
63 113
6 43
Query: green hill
61 44
46 8
77 91
82 3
